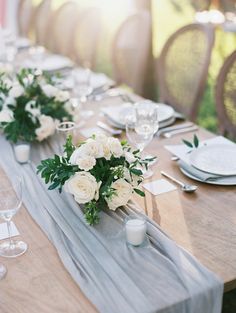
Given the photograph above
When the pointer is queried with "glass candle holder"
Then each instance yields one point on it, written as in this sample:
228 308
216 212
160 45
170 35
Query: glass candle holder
135 231
22 152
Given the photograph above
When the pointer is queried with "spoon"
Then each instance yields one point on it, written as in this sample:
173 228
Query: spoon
184 187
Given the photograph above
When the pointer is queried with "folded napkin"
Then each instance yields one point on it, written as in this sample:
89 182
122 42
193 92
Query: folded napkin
205 177
183 152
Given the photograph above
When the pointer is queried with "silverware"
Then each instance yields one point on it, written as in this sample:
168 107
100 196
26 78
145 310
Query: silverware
184 187
180 131
109 129
174 158
173 128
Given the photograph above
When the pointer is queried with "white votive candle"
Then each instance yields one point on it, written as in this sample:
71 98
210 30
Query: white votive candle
135 230
22 153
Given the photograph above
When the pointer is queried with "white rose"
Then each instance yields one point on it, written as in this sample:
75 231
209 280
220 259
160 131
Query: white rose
62 96
106 151
130 158
84 187
78 153
49 90
47 127
93 148
123 194
6 115
115 147
16 91
86 163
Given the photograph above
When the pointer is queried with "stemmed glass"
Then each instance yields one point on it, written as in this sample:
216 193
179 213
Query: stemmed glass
82 88
141 127
10 203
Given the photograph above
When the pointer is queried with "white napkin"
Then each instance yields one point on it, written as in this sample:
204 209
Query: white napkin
159 186
182 151
4 231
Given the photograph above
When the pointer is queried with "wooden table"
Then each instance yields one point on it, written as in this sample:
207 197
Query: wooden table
204 223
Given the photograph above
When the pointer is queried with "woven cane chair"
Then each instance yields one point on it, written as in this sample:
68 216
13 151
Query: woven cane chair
183 68
130 51
25 17
42 18
86 37
61 28
225 96
201 5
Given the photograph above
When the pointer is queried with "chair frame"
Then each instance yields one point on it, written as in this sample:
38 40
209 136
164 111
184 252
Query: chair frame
51 42
94 48
164 95
224 124
40 37
143 66
31 20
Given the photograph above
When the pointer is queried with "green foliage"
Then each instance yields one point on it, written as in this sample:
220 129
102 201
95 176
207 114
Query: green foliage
57 170
193 144
24 124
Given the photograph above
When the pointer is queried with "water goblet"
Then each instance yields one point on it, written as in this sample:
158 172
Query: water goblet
82 89
10 203
150 110
141 127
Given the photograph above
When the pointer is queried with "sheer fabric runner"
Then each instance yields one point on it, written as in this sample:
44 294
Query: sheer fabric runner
160 277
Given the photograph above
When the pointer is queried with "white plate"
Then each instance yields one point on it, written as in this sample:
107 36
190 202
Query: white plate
121 126
118 114
215 159
224 181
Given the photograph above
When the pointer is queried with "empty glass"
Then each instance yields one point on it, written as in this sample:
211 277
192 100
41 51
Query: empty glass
10 203
141 127
82 89
64 129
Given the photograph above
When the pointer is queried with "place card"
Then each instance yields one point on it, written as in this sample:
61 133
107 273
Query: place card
159 186
4 231
88 132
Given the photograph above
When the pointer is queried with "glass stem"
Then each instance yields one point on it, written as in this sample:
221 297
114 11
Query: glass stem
9 234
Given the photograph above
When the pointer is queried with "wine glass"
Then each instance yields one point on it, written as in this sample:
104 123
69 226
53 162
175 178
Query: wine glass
82 88
10 203
149 108
140 128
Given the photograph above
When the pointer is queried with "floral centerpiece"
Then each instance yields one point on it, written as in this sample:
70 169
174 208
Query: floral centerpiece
100 173
31 105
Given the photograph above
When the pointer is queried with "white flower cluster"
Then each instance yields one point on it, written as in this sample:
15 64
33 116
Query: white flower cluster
84 186
47 123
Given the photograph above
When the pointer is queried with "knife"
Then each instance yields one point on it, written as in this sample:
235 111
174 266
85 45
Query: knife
172 128
180 131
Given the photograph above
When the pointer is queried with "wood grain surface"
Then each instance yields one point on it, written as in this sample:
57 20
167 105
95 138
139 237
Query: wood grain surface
204 223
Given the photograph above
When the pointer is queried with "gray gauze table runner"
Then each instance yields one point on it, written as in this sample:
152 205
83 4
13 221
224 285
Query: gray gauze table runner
117 278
